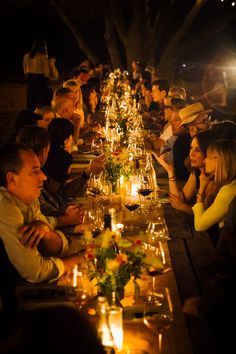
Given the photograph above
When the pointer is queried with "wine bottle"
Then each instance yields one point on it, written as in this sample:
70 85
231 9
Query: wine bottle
151 170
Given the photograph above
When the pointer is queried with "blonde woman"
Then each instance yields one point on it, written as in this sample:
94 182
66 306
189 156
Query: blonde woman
220 164
73 86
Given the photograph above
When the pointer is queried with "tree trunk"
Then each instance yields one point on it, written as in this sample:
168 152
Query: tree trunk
111 42
77 35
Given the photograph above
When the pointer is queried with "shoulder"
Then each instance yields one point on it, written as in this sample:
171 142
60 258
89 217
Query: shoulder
229 188
5 197
10 207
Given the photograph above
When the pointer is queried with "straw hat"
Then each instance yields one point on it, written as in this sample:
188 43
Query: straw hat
189 113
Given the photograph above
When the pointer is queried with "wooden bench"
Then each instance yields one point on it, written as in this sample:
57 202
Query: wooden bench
193 261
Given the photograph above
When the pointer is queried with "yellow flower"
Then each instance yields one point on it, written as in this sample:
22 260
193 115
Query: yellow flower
122 258
112 264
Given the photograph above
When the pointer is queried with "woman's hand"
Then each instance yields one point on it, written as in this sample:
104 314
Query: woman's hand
167 166
204 180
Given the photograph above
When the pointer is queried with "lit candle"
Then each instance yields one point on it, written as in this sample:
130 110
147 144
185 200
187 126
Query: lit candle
122 180
75 276
163 258
116 325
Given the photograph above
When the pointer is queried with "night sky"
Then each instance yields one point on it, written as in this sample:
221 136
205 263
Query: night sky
20 25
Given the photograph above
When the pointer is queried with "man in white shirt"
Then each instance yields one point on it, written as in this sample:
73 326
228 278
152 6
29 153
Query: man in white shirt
37 251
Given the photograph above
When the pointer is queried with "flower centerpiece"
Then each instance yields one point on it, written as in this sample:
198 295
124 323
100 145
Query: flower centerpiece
116 166
116 263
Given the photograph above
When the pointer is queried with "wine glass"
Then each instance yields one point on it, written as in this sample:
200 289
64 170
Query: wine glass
82 286
144 187
94 185
92 221
97 147
154 261
131 201
157 230
158 311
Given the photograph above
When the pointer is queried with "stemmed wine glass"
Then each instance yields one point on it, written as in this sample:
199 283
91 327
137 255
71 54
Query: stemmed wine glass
154 261
97 147
131 200
94 186
144 187
82 287
158 311
157 230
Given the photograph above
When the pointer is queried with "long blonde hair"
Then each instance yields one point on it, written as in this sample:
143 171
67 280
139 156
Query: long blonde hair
225 149
73 83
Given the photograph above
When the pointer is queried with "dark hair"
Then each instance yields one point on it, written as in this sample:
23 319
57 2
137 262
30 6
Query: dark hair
178 103
163 84
226 129
10 160
147 86
86 90
95 82
36 138
146 77
26 117
205 139
57 329
77 71
39 46
60 129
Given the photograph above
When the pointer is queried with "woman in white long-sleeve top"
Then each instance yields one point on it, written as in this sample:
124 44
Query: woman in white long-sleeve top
220 165
38 70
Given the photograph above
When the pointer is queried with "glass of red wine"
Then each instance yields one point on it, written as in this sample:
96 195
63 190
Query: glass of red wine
154 261
131 201
144 187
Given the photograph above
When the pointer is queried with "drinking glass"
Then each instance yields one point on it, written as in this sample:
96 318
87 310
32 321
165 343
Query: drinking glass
94 186
158 312
82 286
157 230
97 147
154 260
145 185
131 201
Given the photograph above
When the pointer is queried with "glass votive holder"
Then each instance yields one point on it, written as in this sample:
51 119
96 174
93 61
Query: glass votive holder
116 325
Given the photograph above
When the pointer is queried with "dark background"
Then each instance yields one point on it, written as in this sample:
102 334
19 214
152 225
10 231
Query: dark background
19 25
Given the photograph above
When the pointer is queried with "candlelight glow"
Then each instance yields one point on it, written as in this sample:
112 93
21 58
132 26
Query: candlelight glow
116 325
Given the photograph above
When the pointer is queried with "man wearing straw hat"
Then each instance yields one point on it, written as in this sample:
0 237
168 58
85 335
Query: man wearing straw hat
195 117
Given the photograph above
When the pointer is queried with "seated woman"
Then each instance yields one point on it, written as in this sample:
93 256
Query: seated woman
220 165
181 198
58 164
76 94
47 114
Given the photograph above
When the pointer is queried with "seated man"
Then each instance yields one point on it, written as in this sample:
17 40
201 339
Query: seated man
37 251
53 202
